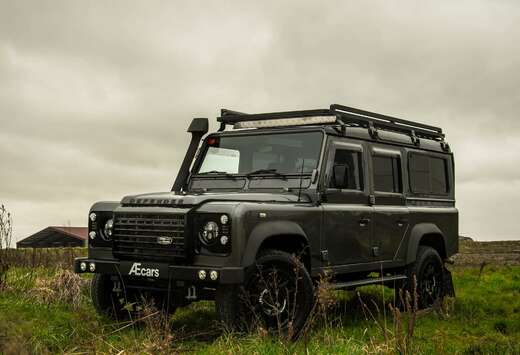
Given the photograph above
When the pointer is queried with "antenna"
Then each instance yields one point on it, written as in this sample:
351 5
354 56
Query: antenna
301 180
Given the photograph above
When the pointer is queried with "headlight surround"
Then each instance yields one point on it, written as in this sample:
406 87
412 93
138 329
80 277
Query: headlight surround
214 233
101 227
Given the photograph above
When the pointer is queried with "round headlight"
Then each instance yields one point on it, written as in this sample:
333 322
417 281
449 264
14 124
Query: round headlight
92 217
210 233
109 228
224 219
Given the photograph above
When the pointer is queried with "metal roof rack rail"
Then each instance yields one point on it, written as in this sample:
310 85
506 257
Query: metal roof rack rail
374 121
339 115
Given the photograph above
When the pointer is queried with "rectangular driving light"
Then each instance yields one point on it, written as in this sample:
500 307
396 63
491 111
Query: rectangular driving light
282 122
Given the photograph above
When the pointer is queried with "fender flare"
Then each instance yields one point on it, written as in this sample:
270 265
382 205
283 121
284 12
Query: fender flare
419 231
266 230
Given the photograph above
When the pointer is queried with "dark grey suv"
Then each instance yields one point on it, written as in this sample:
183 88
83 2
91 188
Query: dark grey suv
258 213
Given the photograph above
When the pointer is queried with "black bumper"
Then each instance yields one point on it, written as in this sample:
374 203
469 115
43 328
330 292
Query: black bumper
161 271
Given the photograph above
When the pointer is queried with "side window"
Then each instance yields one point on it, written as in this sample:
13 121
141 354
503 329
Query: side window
428 175
387 173
439 176
347 170
419 173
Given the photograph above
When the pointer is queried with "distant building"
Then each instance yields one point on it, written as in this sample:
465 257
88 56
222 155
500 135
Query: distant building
56 237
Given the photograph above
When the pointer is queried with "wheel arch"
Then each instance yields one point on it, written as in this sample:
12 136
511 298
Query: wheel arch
426 234
280 235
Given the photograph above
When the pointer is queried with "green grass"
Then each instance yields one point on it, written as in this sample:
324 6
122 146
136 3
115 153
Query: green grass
485 319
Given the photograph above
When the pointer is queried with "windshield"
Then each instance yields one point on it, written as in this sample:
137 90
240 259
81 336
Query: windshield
282 153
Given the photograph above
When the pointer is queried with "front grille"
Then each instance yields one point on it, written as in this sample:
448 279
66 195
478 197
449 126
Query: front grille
136 236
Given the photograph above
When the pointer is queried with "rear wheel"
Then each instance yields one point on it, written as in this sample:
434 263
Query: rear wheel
277 295
426 278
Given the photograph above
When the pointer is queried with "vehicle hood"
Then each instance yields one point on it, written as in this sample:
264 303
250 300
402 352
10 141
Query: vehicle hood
192 199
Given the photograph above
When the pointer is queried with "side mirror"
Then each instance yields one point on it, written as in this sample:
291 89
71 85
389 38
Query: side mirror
199 126
340 175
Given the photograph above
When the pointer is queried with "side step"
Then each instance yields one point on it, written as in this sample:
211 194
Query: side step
371 281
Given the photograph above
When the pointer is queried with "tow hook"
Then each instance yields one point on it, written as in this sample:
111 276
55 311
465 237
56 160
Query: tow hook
191 293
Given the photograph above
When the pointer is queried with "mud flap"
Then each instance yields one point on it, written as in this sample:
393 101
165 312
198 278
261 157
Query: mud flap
449 290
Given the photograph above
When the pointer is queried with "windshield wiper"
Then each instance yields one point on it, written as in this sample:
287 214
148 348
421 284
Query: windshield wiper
266 172
216 172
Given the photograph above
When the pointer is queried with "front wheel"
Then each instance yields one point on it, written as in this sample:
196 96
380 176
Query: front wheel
110 298
277 295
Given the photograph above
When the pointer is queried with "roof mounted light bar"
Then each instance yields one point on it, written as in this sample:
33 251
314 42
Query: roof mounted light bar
284 122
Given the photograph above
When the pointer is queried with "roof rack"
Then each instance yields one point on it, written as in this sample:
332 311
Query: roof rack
345 116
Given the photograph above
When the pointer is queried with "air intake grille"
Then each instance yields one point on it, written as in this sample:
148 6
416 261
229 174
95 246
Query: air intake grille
158 237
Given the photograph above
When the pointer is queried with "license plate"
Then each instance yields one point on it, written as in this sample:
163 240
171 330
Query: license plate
144 269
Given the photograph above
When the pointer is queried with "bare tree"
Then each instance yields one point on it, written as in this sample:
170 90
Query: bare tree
6 232
6 228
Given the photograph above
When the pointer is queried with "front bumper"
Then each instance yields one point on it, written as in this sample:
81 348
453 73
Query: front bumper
160 271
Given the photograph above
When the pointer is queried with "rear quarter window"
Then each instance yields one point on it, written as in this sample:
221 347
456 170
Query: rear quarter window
428 174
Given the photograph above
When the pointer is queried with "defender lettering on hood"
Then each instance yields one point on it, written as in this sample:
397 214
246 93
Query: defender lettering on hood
137 270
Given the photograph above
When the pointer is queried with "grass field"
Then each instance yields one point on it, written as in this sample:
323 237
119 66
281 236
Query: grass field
37 317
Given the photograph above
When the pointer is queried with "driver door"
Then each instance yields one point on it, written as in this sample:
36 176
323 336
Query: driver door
347 218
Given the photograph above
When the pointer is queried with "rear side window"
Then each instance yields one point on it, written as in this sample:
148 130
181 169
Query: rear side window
428 175
387 173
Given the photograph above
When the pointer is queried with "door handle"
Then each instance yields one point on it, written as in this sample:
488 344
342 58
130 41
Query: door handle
364 221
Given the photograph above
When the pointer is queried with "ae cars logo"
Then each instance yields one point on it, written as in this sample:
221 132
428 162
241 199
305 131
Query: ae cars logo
137 270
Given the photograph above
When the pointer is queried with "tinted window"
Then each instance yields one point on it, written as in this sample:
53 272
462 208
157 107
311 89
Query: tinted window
439 178
350 162
387 174
428 175
419 173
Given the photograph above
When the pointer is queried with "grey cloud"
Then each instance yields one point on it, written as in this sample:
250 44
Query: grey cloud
95 97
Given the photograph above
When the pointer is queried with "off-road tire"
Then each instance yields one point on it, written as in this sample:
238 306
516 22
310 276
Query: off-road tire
234 306
104 299
428 273
125 305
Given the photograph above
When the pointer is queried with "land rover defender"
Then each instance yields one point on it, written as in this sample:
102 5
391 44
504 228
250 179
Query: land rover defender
259 213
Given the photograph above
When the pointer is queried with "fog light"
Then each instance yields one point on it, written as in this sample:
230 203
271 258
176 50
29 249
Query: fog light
83 266
92 235
202 274
92 217
224 240
213 275
92 267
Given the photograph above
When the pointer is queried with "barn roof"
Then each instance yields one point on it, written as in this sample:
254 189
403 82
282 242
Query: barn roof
54 235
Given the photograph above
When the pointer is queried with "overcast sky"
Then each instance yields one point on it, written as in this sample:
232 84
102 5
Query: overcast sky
95 97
